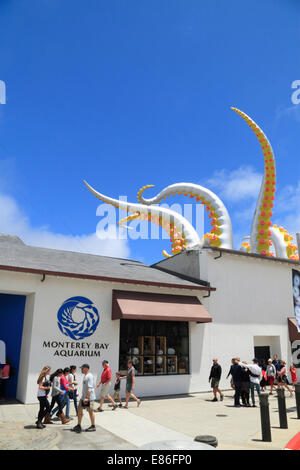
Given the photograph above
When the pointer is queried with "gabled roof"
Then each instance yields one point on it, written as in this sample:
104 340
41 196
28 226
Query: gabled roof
16 256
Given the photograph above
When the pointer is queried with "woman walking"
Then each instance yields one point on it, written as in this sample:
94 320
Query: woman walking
264 380
245 387
43 390
57 395
293 372
73 387
271 374
64 387
282 378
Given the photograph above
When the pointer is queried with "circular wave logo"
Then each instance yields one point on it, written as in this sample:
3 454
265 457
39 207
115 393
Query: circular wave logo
78 318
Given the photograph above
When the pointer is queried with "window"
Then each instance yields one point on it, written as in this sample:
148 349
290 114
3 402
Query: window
155 347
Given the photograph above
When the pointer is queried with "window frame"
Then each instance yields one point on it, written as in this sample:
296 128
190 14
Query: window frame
157 333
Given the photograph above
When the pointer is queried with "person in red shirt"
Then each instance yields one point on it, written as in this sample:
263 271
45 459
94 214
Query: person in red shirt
293 373
64 386
105 382
5 374
264 380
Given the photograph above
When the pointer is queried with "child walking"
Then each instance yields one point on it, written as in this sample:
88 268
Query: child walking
117 389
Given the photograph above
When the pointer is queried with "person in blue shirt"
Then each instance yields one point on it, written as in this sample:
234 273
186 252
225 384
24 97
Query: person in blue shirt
237 378
276 362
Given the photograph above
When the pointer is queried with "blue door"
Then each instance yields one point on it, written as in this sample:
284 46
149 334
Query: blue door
12 309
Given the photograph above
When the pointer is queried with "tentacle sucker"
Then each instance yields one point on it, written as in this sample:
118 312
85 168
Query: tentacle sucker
221 232
182 234
260 236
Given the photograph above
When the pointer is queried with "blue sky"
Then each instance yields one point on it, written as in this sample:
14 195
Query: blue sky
124 94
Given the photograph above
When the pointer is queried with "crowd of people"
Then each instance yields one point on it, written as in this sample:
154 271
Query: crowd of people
64 389
246 379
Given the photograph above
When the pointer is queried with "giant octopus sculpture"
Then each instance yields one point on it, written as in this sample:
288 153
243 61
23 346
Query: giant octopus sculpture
183 236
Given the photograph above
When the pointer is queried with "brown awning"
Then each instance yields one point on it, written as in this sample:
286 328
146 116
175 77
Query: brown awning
148 306
293 330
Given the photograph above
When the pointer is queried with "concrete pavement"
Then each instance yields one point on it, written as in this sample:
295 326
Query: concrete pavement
163 418
235 428
18 432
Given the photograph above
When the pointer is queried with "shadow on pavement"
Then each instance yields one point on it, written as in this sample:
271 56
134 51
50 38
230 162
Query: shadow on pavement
10 401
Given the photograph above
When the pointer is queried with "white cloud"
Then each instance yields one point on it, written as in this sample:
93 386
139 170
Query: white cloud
287 208
14 222
236 185
239 189
288 199
292 111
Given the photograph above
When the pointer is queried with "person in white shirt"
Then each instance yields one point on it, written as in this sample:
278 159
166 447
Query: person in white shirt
271 374
255 377
87 400
43 390
73 387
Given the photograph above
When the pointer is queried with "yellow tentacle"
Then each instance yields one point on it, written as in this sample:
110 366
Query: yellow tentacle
128 219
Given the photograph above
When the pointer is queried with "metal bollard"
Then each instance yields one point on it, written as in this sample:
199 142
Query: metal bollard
297 394
265 417
282 408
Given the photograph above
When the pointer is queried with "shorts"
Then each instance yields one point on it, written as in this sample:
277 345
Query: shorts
283 379
215 382
117 395
92 406
271 380
105 388
128 387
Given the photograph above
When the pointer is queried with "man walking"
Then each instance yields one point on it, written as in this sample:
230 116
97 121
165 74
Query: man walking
87 400
214 378
130 382
237 378
276 362
105 382
255 378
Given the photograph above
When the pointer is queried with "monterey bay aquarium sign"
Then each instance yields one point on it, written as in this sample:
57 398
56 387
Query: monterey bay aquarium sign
75 349
77 318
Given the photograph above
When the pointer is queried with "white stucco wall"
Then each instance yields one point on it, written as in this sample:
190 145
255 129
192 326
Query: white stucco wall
249 308
40 325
